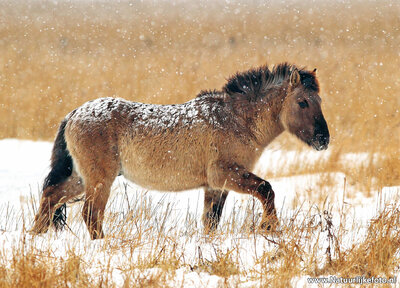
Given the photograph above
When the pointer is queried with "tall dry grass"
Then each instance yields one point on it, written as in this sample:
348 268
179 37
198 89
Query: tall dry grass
149 245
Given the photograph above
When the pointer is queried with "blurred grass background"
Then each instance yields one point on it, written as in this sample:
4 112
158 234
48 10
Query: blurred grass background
56 55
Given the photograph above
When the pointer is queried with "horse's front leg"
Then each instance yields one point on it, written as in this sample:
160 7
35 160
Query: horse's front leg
214 201
231 176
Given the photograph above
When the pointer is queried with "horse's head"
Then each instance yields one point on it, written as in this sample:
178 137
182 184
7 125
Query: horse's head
301 112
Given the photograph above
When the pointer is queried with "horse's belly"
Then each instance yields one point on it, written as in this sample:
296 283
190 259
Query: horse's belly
164 183
166 161
162 179
155 173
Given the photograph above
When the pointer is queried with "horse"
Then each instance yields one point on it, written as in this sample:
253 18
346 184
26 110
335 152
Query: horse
212 141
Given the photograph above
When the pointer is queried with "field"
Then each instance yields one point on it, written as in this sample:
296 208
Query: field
339 209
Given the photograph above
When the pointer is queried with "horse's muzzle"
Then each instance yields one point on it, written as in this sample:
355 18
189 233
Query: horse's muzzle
320 142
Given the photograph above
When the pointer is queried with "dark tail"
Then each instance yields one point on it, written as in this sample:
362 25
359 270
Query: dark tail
61 169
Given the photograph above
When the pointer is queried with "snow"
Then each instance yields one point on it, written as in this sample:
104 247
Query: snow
24 165
198 111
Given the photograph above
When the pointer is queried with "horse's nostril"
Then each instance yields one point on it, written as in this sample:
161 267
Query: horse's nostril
320 137
322 140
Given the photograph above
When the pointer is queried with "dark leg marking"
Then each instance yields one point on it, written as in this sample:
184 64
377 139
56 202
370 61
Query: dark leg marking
214 201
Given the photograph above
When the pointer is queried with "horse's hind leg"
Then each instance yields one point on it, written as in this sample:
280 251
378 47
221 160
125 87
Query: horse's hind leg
97 194
93 146
214 201
98 176
53 198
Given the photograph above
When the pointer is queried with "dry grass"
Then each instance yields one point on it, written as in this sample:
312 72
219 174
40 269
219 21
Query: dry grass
55 56
149 246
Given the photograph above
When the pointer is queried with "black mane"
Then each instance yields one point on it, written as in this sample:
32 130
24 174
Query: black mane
208 93
255 82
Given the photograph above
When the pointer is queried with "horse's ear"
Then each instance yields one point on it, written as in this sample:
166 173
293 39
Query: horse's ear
294 77
314 71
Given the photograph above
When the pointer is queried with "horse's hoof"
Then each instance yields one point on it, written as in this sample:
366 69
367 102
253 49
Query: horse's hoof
37 230
40 226
270 224
95 235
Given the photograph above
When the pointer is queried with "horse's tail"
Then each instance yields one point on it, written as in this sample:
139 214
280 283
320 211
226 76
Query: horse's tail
61 168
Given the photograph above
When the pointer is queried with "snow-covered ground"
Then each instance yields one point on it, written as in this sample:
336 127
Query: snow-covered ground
24 164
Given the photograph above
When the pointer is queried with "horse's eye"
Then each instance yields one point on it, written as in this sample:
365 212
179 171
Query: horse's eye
303 104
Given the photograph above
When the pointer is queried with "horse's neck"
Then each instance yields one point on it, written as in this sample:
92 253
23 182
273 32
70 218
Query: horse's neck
266 124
